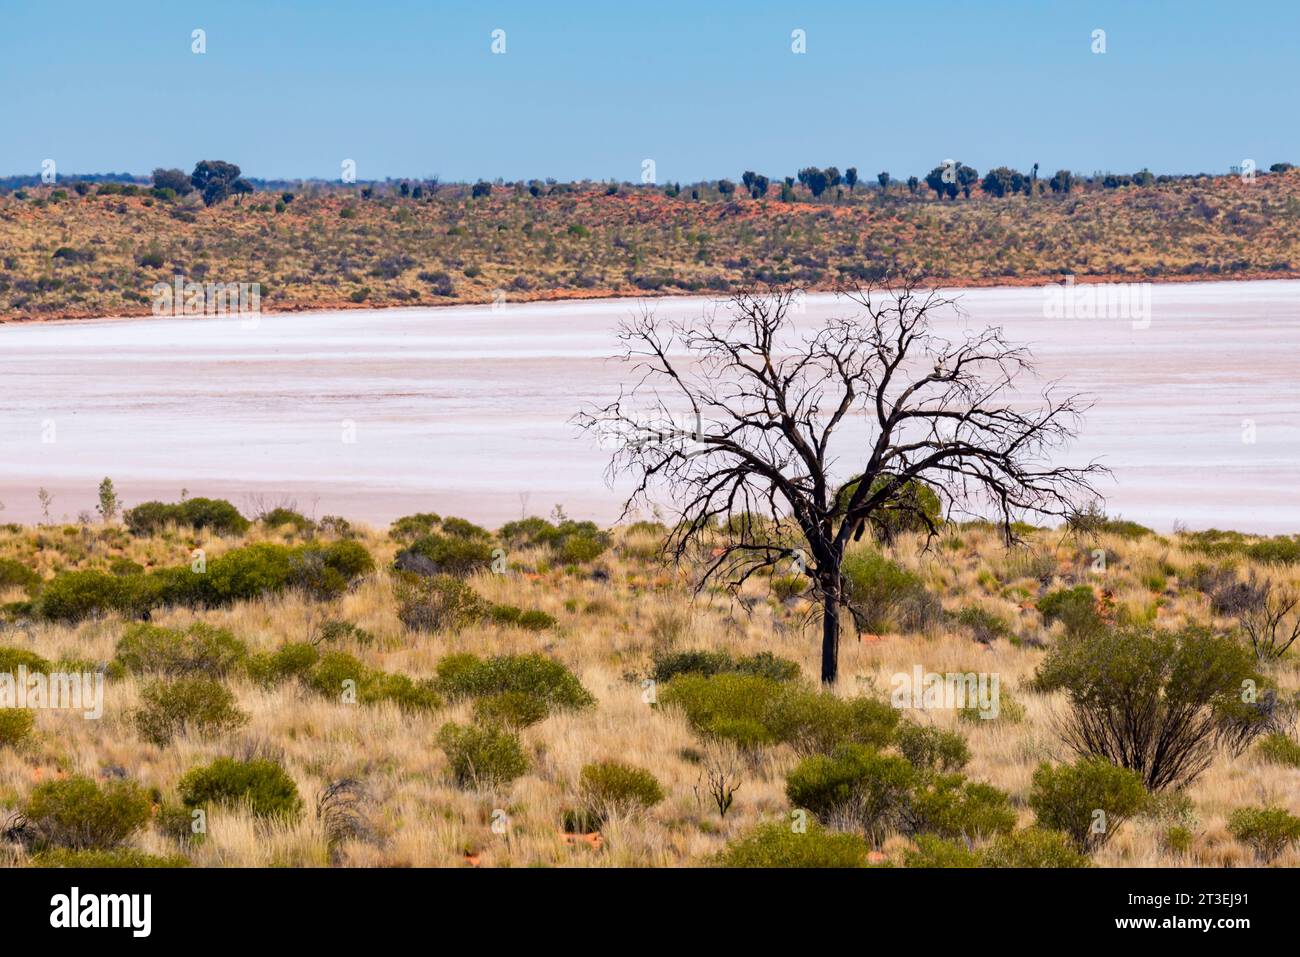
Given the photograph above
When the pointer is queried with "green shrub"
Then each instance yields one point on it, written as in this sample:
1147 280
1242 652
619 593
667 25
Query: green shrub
1087 800
199 649
729 706
572 543
913 507
669 664
932 851
331 674
461 528
11 658
817 722
777 844
950 806
119 858
1278 550
482 757
125 568
532 620
527 532
513 710
1177 839
453 554
1036 848
178 822
467 676
293 660
14 574
74 596
216 514
610 787
1277 748
932 749
789 587
280 517
15 725
201 706
243 574
1268 831
327 573
335 631
1010 711
437 603
1076 608
260 785
77 813
410 527
883 596
855 786
1153 701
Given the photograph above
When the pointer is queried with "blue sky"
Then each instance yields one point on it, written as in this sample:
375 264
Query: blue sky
291 88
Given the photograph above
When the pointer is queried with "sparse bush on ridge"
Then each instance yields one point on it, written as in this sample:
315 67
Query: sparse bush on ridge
455 555
263 568
215 514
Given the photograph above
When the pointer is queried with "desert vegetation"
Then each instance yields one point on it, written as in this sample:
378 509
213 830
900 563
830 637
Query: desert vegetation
281 690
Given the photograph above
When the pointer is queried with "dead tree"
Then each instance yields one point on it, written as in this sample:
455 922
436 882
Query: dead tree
777 444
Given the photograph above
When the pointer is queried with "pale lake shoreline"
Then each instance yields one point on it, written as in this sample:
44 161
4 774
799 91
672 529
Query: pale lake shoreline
462 409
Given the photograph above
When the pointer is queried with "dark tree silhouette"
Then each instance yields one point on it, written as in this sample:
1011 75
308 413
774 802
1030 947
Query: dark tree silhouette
217 179
767 470
851 177
173 179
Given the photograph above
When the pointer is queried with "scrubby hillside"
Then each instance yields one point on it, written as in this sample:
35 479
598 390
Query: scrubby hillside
67 254
284 692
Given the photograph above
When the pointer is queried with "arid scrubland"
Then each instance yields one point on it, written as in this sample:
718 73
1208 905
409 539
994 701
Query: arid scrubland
374 771
67 255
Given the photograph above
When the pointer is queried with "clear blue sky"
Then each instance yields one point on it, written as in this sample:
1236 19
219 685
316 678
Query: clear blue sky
290 88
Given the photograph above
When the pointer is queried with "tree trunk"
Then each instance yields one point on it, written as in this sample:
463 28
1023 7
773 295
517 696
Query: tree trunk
830 628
